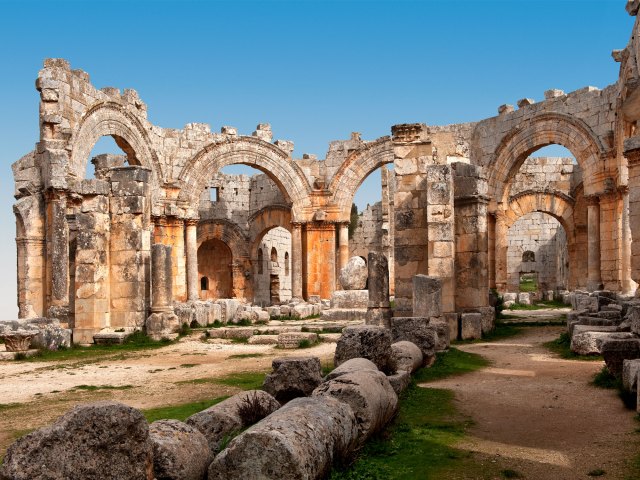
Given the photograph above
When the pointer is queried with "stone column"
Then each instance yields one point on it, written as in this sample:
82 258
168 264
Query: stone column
632 153
501 245
343 246
379 308
193 290
625 249
320 257
296 260
57 252
491 250
593 260
161 273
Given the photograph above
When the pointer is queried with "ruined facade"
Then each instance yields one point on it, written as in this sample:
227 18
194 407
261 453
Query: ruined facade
84 244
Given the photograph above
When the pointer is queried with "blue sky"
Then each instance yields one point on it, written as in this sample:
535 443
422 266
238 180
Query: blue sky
315 70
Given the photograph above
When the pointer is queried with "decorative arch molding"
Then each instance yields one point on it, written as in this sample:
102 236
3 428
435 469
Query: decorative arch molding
353 171
228 233
112 119
264 220
552 203
540 131
250 151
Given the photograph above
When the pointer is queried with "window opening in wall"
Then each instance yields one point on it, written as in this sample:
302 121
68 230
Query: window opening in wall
274 255
286 263
528 282
528 256
213 194
260 261
204 283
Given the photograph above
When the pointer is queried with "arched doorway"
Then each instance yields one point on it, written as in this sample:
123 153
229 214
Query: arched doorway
215 270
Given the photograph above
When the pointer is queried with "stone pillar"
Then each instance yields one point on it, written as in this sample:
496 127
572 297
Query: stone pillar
388 187
491 249
593 260
193 285
296 260
161 273
632 153
471 274
625 250
501 245
320 258
57 253
379 308
343 246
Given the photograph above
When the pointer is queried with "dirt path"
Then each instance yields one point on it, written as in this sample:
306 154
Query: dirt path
537 414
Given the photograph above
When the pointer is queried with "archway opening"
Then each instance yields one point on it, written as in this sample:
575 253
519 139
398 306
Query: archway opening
272 282
106 154
537 255
215 266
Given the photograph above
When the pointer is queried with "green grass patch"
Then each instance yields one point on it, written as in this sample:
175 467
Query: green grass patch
93 388
604 379
137 341
247 355
562 347
540 305
181 411
242 380
418 444
453 362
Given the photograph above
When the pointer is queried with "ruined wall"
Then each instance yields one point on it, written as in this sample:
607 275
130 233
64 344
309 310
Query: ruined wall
273 285
542 235
547 174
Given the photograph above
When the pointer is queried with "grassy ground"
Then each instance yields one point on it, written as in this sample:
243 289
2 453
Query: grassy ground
539 305
562 345
419 443
135 342
506 328
241 380
179 412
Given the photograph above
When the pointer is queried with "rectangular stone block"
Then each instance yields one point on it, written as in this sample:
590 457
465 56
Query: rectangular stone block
470 326
427 296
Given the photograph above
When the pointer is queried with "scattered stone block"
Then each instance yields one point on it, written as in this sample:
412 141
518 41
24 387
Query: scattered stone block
110 338
302 440
350 299
162 325
630 371
370 396
102 440
350 366
179 451
470 326
263 340
418 331
366 341
585 302
408 356
590 342
354 274
442 330
293 339
616 350
453 322
293 377
221 419
399 381
524 298
510 297
427 296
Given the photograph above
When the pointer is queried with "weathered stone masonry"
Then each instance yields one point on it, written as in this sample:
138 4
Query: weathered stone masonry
457 193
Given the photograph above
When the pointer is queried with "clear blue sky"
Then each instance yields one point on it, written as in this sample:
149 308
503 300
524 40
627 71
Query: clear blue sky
315 70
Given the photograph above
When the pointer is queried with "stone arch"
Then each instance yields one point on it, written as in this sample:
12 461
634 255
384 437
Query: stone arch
540 131
113 120
558 206
230 234
353 171
250 151
264 220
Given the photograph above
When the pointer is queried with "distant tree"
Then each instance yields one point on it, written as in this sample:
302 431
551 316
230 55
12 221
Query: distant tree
353 224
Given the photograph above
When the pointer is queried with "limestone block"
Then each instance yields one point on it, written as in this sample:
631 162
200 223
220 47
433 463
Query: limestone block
524 298
294 339
353 275
350 298
408 356
302 310
350 366
510 297
585 302
453 322
179 451
399 381
420 332
370 396
344 315
443 331
630 371
616 350
102 440
470 326
302 440
427 296
244 316
366 341
633 316
221 419
293 377
263 340
590 342
163 325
